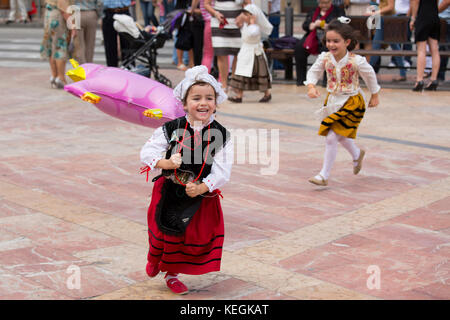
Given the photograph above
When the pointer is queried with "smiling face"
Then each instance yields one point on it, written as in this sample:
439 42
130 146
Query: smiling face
324 5
200 102
336 44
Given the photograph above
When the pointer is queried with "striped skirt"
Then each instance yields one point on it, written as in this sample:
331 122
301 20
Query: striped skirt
196 252
226 40
346 120
260 79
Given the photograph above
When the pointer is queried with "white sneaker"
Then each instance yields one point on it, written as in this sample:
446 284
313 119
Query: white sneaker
391 65
58 84
406 64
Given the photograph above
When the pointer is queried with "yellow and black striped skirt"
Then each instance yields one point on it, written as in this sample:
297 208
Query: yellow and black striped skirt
346 120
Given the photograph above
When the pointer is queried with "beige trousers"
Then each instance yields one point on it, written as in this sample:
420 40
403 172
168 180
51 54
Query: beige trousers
85 39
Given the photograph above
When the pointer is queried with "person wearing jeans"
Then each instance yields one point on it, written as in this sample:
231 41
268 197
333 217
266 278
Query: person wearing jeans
148 11
386 8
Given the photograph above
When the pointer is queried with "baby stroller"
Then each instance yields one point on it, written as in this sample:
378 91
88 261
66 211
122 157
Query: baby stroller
141 50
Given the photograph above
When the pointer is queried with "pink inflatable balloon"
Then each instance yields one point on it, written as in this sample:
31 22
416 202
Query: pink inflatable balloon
124 94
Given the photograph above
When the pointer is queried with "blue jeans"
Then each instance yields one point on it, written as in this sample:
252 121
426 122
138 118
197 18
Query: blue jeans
167 8
275 21
148 11
376 45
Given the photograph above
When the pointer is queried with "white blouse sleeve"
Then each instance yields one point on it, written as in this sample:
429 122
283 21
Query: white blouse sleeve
221 167
315 73
153 150
367 74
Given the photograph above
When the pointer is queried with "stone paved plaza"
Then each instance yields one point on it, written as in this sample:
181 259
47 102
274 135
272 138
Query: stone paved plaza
71 196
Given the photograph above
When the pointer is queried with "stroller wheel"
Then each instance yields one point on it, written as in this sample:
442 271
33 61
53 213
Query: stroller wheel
162 79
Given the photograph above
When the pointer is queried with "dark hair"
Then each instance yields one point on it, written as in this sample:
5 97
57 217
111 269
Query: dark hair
346 32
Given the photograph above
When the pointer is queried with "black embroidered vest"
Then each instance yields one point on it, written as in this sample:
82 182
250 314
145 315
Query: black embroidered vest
175 208
194 146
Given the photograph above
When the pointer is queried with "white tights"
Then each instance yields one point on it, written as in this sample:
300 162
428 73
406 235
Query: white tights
331 145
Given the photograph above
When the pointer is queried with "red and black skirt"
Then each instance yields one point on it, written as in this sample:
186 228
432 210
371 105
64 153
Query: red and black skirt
199 249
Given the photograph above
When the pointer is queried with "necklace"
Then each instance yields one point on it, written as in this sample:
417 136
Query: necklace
204 162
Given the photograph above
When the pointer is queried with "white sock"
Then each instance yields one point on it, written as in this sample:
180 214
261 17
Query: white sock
331 144
350 146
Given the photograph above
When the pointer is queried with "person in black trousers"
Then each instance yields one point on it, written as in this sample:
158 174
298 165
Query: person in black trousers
112 7
314 25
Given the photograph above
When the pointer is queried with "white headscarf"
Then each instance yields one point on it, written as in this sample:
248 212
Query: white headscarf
199 73
261 20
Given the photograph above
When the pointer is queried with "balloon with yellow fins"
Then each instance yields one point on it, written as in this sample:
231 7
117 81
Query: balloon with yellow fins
124 94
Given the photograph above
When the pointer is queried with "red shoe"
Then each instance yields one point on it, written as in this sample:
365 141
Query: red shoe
176 286
152 269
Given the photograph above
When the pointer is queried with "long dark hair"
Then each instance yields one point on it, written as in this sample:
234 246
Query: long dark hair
346 32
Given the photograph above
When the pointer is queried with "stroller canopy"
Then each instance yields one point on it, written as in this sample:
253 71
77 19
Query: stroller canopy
125 23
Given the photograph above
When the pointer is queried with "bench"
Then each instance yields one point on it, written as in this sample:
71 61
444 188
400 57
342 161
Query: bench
395 32
285 56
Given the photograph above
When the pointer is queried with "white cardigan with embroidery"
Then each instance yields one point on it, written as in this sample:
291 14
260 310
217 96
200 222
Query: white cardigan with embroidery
343 76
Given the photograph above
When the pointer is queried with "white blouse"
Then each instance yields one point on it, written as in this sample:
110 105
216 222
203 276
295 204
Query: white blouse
341 89
156 147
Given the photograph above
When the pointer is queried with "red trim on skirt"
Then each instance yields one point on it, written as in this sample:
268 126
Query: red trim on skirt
196 252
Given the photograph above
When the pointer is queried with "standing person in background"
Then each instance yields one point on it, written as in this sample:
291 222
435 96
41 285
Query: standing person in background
386 8
13 11
208 51
226 36
444 9
274 18
110 8
184 40
54 43
90 11
148 12
402 10
197 29
311 43
252 70
426 25
168 7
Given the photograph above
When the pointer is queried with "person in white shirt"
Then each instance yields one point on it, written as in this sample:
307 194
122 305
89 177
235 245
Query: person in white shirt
344 105
252 70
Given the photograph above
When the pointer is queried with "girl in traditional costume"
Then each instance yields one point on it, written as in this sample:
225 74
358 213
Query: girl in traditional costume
252 71
344 105
185 219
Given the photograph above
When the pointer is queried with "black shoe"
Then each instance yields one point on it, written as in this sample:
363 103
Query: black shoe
432 86
9 21
266 98
418 86
235 99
